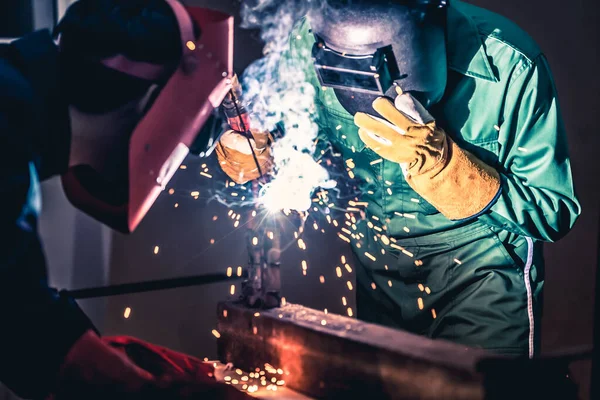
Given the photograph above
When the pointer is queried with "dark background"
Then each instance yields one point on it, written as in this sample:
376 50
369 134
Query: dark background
183 319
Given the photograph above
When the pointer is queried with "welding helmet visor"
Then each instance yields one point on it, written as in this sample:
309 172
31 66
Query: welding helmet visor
364 48
162 138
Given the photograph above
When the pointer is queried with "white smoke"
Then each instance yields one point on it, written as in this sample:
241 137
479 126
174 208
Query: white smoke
277 94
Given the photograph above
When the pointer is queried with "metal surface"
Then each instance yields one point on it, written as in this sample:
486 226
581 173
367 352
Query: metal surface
330 356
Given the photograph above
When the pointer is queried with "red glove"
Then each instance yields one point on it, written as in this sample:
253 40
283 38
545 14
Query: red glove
126 368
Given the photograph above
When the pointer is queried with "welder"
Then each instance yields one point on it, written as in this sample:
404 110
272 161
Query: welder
95 104
450 115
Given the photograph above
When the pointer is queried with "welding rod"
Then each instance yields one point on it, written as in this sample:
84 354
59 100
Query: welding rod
149 286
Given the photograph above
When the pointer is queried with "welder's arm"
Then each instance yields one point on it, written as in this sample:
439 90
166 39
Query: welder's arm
538 199
38 326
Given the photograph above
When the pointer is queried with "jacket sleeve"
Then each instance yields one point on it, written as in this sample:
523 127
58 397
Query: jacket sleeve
537 199
39 326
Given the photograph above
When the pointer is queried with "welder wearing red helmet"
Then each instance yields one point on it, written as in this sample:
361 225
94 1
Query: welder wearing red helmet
111 103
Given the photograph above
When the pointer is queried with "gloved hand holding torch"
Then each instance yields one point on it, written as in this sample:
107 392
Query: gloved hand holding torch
243 154
454 181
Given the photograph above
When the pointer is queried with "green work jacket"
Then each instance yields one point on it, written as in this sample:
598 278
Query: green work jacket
501 105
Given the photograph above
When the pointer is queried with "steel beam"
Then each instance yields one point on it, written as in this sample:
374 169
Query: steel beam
335 357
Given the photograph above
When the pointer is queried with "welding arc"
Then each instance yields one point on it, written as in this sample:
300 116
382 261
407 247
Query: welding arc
247 132
149 286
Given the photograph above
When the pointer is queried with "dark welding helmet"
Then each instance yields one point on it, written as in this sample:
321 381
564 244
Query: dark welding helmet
171 125
364 48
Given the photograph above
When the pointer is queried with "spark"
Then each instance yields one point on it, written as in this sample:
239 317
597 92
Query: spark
323 322
344 238
254 330
224 313
398 214
375 217
368 255
390 283
229 271
373 285
389 191
271 235
257 314
418 263
255 241
348 268
335 223
344 301
322 279
433 313
214 218
415 200
406 229
496 127
410 216
347 231
376 161
176 205
349 284
456 260
156 248
236 224
370 224
232 290
283 302
386 267
351 174
338 272
206 175
325 311
216 333
385 240
239 271
343 258
304 265
195 194
421 287
212 241
183 166
127 313
171 191
523 149
350 313
427 290
420 302
315 226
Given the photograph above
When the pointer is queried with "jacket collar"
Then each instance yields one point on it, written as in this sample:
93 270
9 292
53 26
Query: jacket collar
37 58
466 52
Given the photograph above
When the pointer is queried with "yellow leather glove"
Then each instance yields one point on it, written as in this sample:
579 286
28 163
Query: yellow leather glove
235 156
454 181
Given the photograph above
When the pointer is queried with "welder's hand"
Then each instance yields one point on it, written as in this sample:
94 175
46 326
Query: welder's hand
454 181
92 364
235 156
126 368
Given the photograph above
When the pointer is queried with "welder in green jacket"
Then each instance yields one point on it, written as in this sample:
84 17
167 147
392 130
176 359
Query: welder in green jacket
450 116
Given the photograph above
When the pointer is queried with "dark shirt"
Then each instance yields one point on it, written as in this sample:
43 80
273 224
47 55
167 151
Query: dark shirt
39 326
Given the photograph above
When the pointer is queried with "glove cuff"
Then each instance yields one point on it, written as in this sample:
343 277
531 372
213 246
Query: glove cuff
462 187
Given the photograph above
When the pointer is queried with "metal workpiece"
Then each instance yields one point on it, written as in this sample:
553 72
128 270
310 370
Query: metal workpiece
263 286
335 357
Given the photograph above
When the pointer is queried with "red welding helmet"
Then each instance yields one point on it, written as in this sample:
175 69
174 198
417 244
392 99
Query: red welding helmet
161 140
